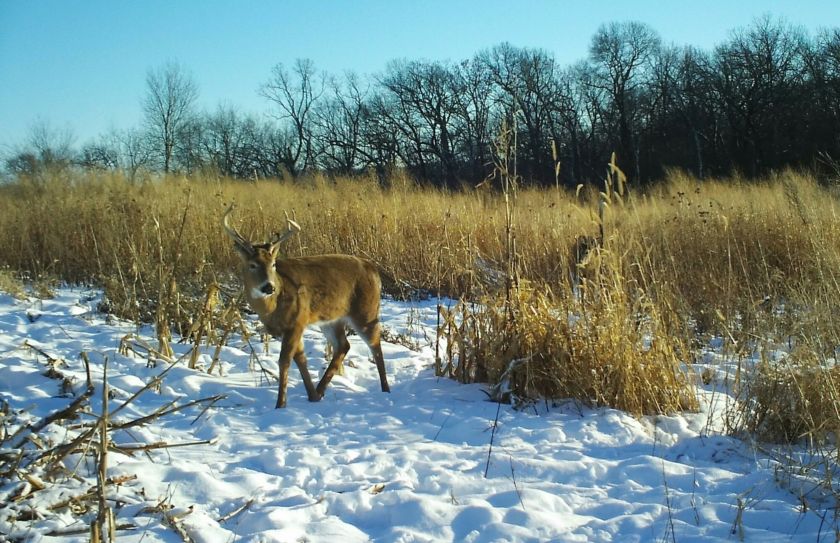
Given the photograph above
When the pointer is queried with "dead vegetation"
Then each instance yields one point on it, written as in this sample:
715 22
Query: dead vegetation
65 455
596 295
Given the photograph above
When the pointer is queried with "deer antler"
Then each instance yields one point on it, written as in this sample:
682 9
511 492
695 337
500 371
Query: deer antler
292 228
240 242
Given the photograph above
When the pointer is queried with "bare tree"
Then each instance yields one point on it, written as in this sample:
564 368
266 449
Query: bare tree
474 102
99 155
171 94
46 148
754 75
380 136
591 105
622 54
823 60
695 105
529 92
340 119
230 142
426 95
222 139
295 94
127 150
135 151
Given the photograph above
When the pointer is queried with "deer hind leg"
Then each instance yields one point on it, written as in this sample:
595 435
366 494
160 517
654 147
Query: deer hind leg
300 360
337 337
334 344
370 332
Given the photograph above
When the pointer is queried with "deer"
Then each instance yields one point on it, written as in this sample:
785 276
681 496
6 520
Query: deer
331 291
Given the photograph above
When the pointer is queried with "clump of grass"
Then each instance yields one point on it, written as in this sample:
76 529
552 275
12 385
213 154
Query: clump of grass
539 346
792 394
11 284
791 400
606 339
606 344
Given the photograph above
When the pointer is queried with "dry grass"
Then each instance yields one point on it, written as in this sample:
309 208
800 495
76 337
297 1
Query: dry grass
95 227
680 263
599 337
603 349
11 284
792 400
729 246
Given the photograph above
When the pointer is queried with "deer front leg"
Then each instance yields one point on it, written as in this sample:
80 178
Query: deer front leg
291 344
283 365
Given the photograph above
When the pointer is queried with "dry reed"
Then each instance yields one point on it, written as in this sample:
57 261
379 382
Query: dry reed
684 261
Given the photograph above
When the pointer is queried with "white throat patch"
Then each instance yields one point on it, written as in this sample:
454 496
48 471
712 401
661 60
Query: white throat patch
257 294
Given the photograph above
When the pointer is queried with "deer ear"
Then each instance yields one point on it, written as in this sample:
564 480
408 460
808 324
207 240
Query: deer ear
292 228
274 249
245 253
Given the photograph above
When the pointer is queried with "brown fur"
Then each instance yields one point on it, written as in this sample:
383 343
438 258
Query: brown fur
335 291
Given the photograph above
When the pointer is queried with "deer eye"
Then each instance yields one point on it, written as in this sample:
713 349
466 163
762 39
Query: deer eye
253 266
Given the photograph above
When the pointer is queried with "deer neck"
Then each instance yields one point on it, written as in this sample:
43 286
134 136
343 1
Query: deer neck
263 305
280 311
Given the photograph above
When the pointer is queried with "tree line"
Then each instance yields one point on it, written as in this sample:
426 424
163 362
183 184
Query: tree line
766 98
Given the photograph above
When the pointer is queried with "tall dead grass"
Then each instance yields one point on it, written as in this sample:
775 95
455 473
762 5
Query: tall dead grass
598 337
684 261
95 227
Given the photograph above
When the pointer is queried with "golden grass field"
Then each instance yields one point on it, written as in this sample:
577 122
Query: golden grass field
756 263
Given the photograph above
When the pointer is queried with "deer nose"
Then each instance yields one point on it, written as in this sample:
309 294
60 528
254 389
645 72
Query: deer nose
267 288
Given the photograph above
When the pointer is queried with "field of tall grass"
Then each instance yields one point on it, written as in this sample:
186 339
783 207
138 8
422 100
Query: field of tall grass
754 264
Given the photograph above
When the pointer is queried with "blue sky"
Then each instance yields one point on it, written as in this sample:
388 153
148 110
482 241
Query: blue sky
82 64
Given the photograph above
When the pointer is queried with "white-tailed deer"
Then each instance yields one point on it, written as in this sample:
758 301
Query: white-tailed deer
330 291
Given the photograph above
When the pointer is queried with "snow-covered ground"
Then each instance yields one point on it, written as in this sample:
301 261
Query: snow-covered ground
362 465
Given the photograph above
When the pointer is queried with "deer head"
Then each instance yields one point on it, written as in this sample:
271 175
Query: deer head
259 271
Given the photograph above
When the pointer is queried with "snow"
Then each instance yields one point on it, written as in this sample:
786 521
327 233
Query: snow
362 465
